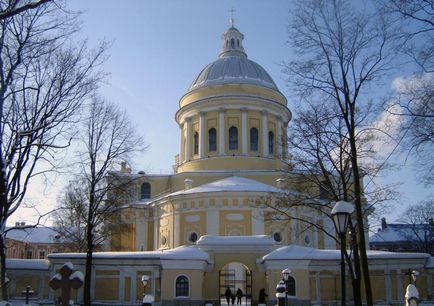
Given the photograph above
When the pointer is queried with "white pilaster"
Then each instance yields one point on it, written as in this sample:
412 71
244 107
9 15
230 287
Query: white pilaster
264 133
212 222
258 224
244 130
201 134
388 283
221 132
279 136
318 287
176 230
187 139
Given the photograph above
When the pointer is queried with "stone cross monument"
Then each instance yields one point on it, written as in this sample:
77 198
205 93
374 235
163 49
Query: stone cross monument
66 280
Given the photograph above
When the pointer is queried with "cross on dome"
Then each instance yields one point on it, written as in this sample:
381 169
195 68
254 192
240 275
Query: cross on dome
232 21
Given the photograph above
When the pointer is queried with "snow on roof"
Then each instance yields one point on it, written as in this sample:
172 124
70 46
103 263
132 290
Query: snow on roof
233 183
258 240
37 234
27 264
399 233
182 252
299 252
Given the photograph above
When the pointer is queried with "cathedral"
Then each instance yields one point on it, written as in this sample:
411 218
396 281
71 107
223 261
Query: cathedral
204 231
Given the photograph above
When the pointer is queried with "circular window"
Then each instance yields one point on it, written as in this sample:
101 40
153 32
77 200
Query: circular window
163 240
277 236
307 239
192 237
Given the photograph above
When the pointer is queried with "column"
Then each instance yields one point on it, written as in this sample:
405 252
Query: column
187 139
279 136
264 125
181 143
201 135
221 132
244 131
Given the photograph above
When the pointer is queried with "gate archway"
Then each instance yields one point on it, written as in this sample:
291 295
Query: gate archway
235 275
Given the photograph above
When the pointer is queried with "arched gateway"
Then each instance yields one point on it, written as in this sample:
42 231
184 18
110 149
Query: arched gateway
233 277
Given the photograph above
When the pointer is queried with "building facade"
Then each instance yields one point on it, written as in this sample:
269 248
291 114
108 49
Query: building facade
204 228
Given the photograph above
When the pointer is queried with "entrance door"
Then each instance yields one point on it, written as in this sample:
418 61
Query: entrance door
234 276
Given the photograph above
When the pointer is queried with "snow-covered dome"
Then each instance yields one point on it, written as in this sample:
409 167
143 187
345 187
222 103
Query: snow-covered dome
233 66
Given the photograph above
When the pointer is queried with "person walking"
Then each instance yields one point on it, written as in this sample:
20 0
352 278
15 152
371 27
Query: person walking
239 296
262 296
228 295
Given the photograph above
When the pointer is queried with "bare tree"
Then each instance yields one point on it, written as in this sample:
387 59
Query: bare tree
43 82
11 8
341 51
419 226
70 217
413 101
107 139
415 19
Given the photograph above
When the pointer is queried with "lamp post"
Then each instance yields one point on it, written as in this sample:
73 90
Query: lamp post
145 279
286 273
341 214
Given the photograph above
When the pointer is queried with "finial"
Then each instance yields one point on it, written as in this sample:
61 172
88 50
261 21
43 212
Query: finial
232 21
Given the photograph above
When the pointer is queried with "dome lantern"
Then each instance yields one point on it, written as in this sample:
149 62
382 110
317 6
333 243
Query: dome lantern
232 41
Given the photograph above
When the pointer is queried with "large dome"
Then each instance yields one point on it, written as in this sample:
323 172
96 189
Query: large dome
233 70
233 66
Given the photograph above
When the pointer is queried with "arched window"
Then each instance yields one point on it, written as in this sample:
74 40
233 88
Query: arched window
290 285
270 142
181 286
196 143
232 43
238 42
253 139
145 191
212 140
233 138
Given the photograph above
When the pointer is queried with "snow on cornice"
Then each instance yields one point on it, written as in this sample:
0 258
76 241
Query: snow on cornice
179 253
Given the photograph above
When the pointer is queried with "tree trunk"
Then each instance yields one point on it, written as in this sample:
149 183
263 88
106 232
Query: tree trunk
88 270
359 215
357 296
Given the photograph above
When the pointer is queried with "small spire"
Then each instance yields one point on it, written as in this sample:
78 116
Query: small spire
231 20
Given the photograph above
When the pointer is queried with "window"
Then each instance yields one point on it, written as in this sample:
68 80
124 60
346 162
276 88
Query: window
290 286
41 254
233 138
145 191
277 236
29 254
192 237
181 286
212 140
324 190
232 43
270 142
196 143
253 139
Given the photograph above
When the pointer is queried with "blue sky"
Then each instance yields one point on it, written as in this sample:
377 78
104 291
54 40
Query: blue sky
159 47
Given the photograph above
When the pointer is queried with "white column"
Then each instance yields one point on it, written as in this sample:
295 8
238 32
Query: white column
279 136
244 130
201 134
187 139
221 132
181 142
264 133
